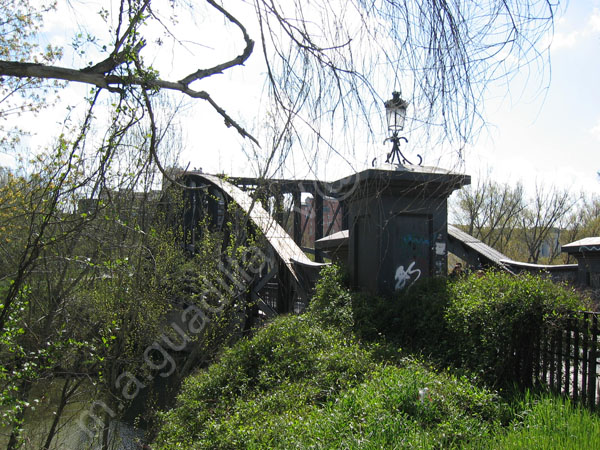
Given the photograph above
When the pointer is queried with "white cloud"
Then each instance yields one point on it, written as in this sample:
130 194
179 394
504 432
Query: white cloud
569 39
596 129
566 40
594 22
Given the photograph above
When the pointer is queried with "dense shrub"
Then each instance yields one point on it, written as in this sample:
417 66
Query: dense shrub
413 318
332 301
496 317
261 383
304 382
485 323
297 385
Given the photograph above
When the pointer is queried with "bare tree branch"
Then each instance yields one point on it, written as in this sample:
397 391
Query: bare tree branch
329 62
237 61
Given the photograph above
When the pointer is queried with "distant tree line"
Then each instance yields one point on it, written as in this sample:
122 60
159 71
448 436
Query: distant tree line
529 228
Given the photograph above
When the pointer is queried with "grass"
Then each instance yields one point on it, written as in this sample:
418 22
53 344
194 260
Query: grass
549 422
386 411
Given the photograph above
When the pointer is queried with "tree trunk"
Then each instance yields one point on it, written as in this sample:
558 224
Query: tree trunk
15 434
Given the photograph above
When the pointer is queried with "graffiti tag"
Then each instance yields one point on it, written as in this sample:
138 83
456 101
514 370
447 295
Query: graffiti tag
403 276
417 240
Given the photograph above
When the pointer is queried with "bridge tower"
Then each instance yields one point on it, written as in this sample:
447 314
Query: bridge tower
398 225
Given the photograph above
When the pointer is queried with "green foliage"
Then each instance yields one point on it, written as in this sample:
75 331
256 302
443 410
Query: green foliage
297 385
405 319
302 382
99 285
548 422
410 406
261 383
481 324
413 319
11 351
332 302
495 316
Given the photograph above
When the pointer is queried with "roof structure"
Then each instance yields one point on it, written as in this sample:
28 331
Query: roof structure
281 242
485 253
590 244
483 250
532 266
333 240
297 261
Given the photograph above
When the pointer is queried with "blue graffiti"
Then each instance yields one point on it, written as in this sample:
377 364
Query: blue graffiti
417 240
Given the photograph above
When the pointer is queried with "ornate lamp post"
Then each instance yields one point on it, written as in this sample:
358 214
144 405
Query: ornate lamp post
395 110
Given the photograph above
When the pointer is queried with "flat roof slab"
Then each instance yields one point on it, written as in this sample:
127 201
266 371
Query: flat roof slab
586 245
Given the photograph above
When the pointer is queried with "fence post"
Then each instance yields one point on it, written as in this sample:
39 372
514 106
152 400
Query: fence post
537 351
544 355
593 363
568 357
552 357
584 356
575 358
559 360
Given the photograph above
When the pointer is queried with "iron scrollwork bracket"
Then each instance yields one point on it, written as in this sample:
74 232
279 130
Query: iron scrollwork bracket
397 154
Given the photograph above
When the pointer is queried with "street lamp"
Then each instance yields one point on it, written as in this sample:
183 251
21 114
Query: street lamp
395 110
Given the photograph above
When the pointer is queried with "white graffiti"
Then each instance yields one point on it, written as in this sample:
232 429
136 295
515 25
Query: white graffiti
403 276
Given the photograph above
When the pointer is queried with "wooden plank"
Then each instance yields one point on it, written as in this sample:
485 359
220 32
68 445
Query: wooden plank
537 358
552 359
544 354
567 360
584 376
559 361
593 363
575 323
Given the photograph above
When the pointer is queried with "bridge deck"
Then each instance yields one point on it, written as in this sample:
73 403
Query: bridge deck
282 243
474 249
299 266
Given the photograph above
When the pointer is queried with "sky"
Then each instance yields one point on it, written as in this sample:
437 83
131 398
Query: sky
550 136
542 129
